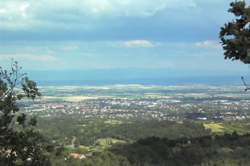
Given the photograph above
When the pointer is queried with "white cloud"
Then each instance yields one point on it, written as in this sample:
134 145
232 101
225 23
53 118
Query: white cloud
42 58
25 14
13 14
138 43
69 47
208 44
115 7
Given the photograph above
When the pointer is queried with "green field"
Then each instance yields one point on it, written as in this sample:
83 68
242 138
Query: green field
228 127
107 142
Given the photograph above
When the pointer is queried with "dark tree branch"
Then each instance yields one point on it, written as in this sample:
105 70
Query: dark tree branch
247 87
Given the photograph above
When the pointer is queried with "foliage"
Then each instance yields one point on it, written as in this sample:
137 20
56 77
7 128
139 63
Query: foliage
235 35
90 132
20 144
155 143
224 150
228 149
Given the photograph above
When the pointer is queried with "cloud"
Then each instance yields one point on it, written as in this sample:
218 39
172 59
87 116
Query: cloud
26 14
208 44
45 20
13 14
138 43
42 58
69 47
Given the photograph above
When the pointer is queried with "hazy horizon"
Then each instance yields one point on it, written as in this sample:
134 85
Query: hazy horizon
176 38
147 42
81 78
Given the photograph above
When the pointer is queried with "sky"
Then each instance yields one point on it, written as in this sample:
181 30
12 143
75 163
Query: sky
119 38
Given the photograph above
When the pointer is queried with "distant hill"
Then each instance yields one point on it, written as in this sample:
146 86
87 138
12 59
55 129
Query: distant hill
144 77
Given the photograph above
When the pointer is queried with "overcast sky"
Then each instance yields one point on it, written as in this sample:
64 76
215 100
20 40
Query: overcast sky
116 34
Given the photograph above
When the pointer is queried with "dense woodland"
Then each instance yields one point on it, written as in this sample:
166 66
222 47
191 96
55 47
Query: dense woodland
88 131
154 143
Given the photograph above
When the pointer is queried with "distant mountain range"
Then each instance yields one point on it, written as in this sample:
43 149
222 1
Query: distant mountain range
134 76
216 80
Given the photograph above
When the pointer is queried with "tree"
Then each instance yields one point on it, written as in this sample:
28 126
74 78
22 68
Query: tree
235 35
20 143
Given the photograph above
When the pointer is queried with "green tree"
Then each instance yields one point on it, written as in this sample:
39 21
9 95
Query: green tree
235 35
20 143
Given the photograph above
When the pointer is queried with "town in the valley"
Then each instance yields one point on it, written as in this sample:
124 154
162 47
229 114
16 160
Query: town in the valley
204 103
